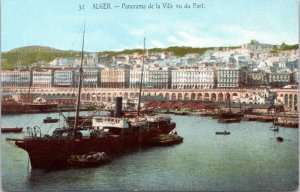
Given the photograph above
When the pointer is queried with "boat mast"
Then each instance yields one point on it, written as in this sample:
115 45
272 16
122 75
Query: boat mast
79 83
141 81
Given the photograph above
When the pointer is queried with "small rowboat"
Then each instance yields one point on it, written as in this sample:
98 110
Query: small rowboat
50 120
11 130
222 133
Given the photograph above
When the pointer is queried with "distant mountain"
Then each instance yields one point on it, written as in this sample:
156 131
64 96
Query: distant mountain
35 49
25 56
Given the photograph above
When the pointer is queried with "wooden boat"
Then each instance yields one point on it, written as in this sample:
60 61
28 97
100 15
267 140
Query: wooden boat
231 120
92 159
11 130
222 133
165 140
50 120
279 139
274 129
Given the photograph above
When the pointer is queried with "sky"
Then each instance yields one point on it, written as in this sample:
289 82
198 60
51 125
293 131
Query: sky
59 23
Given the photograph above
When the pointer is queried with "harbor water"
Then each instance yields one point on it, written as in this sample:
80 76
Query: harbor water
249 159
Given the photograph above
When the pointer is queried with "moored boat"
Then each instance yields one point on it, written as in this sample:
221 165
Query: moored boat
165 140
50 120
222 133
279 139
92 159
231 120
12 130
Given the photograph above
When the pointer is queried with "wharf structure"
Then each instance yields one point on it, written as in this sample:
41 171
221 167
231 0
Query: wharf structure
286 97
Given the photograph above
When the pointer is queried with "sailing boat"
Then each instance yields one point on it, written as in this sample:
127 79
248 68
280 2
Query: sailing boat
274 127
110 135
228 117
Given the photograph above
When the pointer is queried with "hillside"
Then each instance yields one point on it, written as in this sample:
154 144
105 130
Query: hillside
178 51
25 56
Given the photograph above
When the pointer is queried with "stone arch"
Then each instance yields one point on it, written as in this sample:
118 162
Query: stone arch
161 94
227 96
213 97
206 96
99 97
193 96
126 95
109 97
114 96
186 96
290 100
179 96
94 97
286 98
220 97
199 96
167 96
131 95
173 96
88 97
83 97
104 97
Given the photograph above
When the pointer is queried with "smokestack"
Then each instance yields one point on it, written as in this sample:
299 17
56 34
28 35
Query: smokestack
118 110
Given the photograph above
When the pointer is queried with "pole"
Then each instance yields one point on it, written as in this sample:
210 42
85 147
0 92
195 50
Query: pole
141 81
79 83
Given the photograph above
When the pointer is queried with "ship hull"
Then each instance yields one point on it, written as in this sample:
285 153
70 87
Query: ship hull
53 153
17 108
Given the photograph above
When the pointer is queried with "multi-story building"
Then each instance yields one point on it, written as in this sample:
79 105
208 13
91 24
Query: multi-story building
152 78
115 78
193 77
16 78
257 78
279 79
42 78
105 59
90 77
229 78
63 62
64 78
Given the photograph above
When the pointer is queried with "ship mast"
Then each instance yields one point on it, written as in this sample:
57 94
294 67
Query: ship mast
79 83
141 82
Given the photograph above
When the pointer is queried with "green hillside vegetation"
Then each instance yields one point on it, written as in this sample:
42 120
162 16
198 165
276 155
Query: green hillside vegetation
26 56
178 51
284 47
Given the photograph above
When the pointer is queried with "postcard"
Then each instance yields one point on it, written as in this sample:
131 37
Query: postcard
151 95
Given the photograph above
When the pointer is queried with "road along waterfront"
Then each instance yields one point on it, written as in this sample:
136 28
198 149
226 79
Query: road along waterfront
249 159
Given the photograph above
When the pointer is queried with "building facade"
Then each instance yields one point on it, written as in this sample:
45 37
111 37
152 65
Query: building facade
152 78
16 78
193 78
64 78
42 78
228 78
115 78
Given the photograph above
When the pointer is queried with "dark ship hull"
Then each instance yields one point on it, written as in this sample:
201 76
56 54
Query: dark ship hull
227 115
51 153
17 108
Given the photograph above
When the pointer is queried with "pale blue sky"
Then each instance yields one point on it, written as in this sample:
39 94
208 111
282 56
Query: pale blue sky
58 24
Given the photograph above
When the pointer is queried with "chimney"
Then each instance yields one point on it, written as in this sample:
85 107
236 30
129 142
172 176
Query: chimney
118 110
